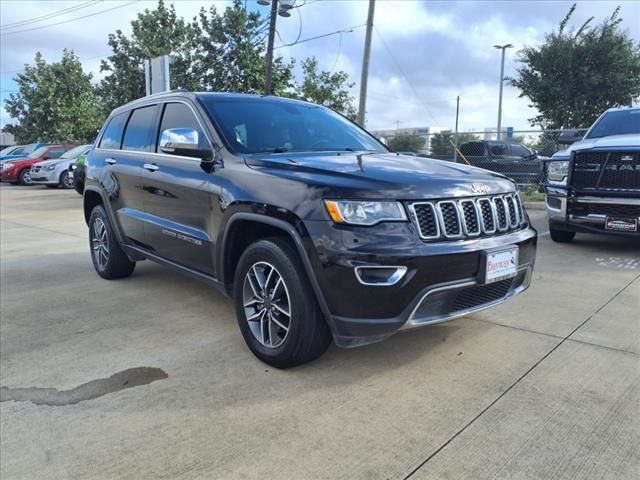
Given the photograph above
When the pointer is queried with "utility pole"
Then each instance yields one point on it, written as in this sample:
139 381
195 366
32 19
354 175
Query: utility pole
503 48
455 138
272 37
364 77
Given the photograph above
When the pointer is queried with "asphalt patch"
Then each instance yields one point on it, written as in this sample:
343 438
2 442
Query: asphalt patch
131 377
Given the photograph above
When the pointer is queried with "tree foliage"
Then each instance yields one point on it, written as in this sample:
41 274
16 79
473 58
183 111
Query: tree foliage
575 75
325 88
55 102
406 143
440 142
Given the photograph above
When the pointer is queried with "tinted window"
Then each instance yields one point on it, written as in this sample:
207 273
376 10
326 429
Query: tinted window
472 149
519 150
621 122
112 137
137 134
179 115
259 125
498 149
55 153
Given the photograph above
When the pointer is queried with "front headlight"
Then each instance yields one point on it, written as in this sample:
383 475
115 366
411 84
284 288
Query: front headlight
48 168
357 212
558 171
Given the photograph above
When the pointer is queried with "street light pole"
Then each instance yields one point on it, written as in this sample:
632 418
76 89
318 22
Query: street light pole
364 77
503 48
270 42
455 150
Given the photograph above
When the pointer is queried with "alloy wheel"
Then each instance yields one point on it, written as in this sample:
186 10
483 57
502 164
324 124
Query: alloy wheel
26 178
67 181
100 243
267 306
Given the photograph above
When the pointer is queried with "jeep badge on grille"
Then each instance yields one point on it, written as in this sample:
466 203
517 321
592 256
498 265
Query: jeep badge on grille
479 188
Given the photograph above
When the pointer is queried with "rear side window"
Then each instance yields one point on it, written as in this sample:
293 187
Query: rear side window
112 137
179 115
137 135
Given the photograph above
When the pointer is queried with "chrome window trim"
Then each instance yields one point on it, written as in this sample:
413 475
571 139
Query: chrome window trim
162 104
435 218
443 223
393 279
464 217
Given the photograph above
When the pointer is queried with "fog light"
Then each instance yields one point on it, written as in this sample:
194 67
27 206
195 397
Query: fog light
380 276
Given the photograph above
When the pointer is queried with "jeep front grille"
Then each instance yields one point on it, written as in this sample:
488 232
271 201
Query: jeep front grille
468 217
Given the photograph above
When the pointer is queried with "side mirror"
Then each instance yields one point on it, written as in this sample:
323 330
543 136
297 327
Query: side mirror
567 137
184 142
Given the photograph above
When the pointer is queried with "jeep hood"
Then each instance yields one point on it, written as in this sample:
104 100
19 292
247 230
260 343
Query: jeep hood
380 175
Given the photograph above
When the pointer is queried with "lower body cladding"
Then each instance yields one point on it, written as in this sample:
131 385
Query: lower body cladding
383 279
593 213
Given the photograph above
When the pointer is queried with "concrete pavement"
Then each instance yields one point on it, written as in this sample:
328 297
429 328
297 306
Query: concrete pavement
544 386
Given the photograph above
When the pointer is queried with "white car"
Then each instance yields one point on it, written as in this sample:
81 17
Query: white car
55 173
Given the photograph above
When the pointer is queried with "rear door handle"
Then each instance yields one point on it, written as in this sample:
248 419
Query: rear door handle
110 161
152 167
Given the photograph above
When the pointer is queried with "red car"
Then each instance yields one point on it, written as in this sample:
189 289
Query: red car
17 171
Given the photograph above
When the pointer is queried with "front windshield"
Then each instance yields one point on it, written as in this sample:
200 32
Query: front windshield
257 125
619 122
74 152
38 152
7 151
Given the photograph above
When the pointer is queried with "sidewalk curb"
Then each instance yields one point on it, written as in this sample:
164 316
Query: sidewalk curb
534 205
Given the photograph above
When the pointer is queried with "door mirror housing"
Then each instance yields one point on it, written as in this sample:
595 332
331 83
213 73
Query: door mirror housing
184 142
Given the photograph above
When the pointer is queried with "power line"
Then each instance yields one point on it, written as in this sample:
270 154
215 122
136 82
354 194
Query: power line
299 29
405 76
67 21
49 16
346 30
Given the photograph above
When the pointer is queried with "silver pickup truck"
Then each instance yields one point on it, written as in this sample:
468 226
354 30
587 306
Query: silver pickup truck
594 185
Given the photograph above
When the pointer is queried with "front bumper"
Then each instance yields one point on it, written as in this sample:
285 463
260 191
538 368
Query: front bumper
588 214
48 177
442 279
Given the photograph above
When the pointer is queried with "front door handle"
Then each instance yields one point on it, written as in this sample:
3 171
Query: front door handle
110 161
152 167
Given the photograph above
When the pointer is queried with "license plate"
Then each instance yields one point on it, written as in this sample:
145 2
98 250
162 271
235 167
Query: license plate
500 264
70 174
621 224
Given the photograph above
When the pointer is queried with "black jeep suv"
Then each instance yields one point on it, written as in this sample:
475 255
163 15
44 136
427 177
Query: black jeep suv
314 228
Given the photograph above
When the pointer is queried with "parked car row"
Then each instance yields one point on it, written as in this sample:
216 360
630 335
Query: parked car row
40 164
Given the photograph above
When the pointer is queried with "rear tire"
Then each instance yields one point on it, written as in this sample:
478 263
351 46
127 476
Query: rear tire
107 256
561 236
25 178
270 285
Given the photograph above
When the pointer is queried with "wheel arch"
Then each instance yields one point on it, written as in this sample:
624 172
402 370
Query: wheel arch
235 241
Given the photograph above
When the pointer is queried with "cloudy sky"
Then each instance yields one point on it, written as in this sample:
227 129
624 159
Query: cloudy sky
424 53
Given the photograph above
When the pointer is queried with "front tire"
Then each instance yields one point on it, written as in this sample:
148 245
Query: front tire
25 178
65 180
276 308
109 260
561 236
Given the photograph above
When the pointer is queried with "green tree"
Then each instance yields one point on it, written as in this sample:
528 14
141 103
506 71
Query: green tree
406 143
325 88
229 52
575 75
154 33
55 102
440 142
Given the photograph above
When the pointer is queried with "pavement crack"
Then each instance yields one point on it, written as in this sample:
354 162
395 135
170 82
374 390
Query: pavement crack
131 377
517 381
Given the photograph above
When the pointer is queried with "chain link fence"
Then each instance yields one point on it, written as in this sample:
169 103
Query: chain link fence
517 154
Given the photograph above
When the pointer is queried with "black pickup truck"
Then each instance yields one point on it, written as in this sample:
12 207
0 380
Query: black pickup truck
508 158
315 229
594 185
